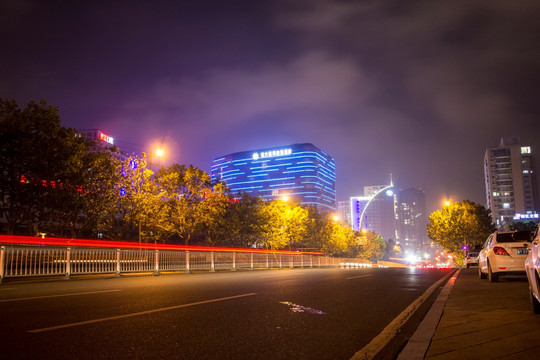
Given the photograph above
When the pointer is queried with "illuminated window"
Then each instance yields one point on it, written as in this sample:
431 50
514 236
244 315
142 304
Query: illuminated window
526 150
506 206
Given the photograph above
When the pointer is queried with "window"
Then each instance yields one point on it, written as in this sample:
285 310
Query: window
525 149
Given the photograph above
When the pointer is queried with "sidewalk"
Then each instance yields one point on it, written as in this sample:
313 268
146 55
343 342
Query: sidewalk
483 320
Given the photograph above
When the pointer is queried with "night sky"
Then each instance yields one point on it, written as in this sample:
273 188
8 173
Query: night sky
414 88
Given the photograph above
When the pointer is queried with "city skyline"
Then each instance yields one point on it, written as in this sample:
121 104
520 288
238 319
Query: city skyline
418 90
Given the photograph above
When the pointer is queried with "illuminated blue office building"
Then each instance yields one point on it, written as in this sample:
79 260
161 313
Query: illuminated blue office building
303 172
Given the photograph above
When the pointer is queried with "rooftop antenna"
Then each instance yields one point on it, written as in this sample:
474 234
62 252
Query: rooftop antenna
391 181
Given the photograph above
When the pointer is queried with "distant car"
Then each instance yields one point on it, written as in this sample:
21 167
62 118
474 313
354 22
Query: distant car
504 253
472 259
532 267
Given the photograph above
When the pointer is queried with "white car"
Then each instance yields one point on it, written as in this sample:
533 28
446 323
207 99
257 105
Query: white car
504 253
532 267
472 259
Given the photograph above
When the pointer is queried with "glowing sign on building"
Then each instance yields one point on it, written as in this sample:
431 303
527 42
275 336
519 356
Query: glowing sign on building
106 138
302 172
271 154
526 216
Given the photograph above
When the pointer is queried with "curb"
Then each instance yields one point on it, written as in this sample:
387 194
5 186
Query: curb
418 344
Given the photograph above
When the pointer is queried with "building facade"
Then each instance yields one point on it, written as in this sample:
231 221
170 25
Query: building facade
344 212
375 211
412 219
510 181
302 172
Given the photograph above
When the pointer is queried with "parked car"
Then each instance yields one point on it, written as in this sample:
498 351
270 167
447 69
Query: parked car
472 259
504 253
532 267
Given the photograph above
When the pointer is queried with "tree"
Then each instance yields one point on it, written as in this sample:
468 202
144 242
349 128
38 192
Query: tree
212 213
285 224
141 206
319 229
340 241
42 169
184 190
103 184
244 222
372 246
522 225
460 224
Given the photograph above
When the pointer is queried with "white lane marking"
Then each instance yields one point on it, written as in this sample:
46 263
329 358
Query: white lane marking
356 277
60 295
138 313
380 341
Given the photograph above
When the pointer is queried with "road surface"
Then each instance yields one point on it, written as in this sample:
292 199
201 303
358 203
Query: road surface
278 314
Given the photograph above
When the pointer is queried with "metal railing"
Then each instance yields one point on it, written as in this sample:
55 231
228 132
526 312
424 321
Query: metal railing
40 259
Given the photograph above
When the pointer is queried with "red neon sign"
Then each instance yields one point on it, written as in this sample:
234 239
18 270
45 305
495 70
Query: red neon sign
106 138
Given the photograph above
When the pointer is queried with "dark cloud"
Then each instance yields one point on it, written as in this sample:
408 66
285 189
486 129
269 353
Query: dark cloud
416 88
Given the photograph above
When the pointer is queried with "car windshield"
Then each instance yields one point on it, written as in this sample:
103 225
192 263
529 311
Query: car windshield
517 236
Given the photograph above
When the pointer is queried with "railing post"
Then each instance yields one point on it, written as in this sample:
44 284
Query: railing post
117 263
212 264
2 257
301 261
187 262
233 261
68 263
156 260
280 267
251 255
291 261
267 266
311 261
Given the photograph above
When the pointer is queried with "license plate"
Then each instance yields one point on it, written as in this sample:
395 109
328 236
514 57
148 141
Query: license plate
522 251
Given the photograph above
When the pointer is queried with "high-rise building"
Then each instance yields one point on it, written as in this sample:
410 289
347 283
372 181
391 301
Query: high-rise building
302 172
375 211
510 181
344 212
412 219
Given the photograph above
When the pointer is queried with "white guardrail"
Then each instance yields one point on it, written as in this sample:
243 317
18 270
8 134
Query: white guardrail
32 260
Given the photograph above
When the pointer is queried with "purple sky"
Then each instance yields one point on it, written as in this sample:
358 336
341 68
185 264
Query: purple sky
415 88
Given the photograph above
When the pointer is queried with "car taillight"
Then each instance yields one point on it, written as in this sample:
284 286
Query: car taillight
497 250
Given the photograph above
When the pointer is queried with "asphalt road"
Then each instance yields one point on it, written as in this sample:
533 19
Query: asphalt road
278 314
